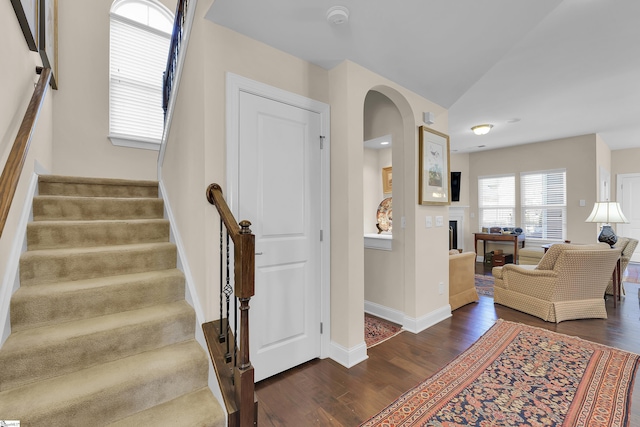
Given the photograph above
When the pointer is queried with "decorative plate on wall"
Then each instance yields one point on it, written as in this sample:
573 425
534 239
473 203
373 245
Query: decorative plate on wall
384 215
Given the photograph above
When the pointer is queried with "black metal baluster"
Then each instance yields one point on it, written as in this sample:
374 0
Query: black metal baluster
228 290
221 334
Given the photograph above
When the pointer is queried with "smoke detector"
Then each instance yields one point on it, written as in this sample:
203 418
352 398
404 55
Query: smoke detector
338 15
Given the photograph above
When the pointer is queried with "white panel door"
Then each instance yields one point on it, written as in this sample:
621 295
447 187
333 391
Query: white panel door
630 203
279 192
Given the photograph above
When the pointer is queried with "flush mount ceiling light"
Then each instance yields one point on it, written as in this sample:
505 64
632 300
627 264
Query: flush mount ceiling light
338 15
481 129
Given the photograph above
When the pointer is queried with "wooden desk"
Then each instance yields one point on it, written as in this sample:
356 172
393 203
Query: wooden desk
496 237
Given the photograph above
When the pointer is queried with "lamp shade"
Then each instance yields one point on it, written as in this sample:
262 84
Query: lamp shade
607 212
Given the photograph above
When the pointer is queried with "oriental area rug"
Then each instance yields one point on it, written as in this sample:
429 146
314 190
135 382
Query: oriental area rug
377 330
484 285
518 375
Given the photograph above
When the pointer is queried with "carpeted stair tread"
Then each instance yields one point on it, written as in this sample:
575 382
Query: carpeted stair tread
40 353
41 305
56 265
194 409
66 234
63 208
100 328
109 391
95 187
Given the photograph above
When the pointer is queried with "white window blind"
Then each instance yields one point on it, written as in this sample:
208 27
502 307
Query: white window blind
138 57
544 204
497 201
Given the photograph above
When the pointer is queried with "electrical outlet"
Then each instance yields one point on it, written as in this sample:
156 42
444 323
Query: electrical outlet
439 221
403 222
428 221
441 288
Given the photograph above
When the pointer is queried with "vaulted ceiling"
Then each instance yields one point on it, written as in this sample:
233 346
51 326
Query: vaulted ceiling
536 70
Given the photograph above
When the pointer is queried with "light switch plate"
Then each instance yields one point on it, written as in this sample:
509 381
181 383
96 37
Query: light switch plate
428 222
439 221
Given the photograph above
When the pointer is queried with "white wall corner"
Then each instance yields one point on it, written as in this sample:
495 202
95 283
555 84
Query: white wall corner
390 314
418 325
191 295
11 278
348 357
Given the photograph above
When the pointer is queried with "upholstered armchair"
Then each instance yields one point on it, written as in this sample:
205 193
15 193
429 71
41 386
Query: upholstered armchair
568 283
627 246
462 286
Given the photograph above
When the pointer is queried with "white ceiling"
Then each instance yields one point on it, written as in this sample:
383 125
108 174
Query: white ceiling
559 67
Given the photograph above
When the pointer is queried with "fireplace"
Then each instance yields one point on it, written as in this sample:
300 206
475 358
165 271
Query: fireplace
453 234
456 228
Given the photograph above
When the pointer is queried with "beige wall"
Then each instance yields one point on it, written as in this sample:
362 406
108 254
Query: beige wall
425 250
577 154
17 78
81 104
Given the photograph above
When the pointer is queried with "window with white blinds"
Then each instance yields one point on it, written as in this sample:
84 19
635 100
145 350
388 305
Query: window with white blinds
543 201
139 47
497 201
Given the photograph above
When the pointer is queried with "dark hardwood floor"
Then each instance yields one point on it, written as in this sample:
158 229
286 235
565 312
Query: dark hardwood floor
324 393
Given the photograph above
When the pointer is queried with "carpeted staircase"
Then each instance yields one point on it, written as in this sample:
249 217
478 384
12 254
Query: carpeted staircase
101 332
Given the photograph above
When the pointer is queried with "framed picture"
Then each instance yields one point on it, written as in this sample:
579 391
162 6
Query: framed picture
27 14
387 183
434 187
48 37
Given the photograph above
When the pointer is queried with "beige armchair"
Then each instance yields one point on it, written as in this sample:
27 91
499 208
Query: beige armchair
568 283
627 246
462 285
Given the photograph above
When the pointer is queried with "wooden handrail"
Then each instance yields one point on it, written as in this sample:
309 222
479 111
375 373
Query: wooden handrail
15 162
244 289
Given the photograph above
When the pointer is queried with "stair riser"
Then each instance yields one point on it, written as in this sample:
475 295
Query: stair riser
61 234
96 190
152 382
36 268
46 208
29 310
41 360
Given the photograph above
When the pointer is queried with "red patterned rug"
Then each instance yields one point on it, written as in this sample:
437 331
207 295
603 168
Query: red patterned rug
377 330
519 375
484 285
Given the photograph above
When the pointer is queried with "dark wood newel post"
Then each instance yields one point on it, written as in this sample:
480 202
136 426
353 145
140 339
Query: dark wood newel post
245 289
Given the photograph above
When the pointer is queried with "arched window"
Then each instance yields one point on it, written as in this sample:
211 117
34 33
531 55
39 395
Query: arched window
139 47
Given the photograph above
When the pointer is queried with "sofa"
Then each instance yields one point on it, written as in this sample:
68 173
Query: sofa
462 286
568 283
530 256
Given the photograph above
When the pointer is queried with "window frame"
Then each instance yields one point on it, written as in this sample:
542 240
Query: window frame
127 140
544 206
482 207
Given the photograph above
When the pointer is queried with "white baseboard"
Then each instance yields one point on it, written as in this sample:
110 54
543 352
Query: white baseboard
348 357
426 321
390 314
11 278
191 295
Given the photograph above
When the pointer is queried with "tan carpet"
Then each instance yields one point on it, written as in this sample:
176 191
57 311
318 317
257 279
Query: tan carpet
100 331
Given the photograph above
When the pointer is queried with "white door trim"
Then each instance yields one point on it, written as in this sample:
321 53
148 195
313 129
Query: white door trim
619 196
236 84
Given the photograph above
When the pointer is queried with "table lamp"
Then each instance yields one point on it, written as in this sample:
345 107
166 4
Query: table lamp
607 213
